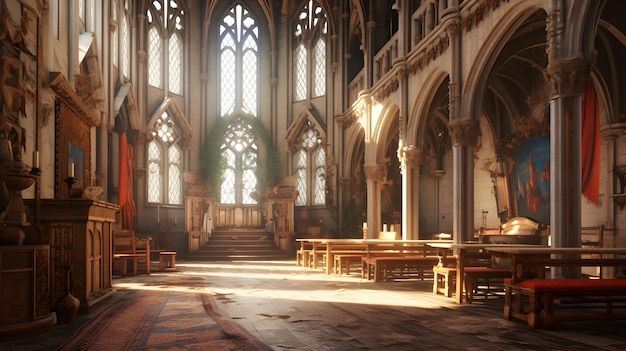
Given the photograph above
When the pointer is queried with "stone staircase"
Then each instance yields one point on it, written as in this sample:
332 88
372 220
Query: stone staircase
239 245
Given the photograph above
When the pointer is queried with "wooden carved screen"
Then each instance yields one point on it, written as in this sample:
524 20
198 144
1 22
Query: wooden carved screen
73 145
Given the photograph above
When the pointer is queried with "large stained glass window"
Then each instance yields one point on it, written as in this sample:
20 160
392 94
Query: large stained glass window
238 73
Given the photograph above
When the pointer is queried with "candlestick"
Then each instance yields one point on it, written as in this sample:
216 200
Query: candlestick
70 170
158 214
34 170
35 159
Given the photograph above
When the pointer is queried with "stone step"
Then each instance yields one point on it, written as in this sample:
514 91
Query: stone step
234 245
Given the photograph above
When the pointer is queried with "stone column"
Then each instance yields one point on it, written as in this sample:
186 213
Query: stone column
464 134
568 78
374 176
410 161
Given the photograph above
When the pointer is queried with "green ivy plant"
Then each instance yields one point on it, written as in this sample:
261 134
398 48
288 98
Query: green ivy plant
213 165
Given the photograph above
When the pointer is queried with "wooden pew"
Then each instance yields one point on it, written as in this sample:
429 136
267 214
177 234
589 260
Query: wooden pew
128 249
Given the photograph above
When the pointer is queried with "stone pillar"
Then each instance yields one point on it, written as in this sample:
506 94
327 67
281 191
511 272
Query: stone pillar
410 161
437 175
373 176
568 78
464 134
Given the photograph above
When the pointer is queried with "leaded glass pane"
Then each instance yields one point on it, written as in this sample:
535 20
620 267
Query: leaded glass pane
250 82
309 139
300 73
249 186
320 68
125 32
228 184
238 62
301 187
154 59
174 177
301 159
227 77
175 64
154 172
319 160
165 129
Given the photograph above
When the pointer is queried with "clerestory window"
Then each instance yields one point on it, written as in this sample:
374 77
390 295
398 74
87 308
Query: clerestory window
165 45
310 34
238 62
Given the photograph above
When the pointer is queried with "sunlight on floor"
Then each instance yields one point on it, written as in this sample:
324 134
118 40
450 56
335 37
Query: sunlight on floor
271 281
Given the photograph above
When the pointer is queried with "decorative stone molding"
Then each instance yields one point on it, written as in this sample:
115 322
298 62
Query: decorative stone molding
389 88
464 132
478 13
375 172
429 54
348 119
568 77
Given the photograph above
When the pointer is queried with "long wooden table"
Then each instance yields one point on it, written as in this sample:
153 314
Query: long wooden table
530 262
469 251
368 245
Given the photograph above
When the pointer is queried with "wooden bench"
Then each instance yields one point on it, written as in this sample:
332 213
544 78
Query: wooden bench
536 299
592 237
444 278
379 268
127 248
167 260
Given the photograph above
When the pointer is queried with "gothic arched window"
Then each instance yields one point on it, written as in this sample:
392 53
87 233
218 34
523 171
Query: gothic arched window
239 153
310 167
165 45
238 61
311 28
238 73
165 163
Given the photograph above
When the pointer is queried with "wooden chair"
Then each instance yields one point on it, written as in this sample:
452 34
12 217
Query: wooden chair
127 248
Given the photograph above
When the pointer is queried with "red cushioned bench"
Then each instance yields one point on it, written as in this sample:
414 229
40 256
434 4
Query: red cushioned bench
536 299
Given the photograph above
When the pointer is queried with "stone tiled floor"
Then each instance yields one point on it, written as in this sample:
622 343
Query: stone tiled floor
295 308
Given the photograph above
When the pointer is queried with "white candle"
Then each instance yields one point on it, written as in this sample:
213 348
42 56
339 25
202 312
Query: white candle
70 170
35 159
364 225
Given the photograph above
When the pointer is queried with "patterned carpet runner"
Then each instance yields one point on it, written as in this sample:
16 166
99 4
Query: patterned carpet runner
162 320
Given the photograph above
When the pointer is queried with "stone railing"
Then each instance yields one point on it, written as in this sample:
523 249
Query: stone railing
230 216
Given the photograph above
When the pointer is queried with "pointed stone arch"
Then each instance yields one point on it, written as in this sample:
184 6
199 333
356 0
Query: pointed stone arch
169 105
307 118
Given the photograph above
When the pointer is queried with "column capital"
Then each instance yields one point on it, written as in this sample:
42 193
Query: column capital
374 172
568 77
464 132
411 157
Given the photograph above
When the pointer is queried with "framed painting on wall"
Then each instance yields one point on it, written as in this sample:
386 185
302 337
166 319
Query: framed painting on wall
531 179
